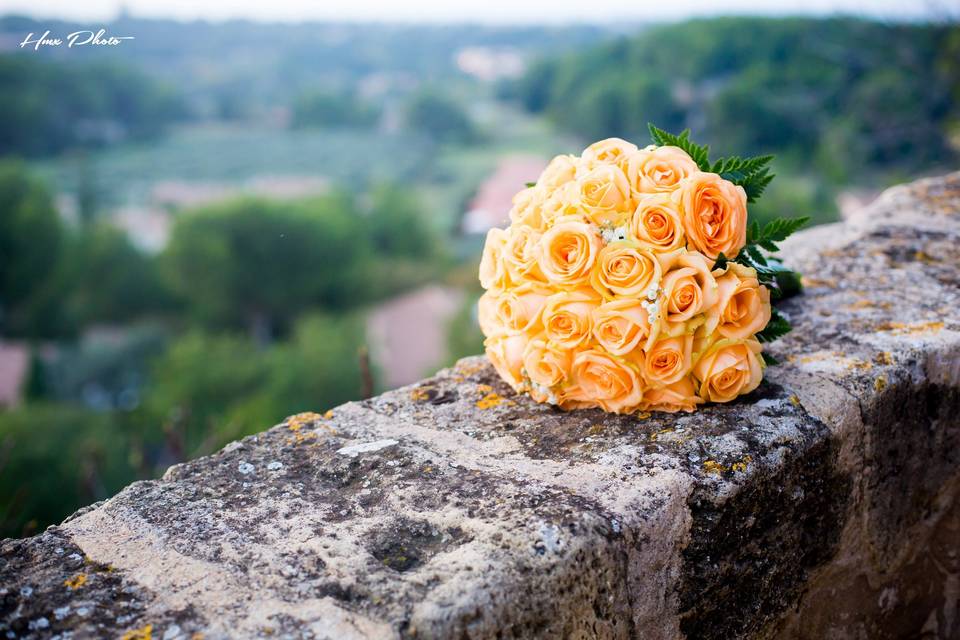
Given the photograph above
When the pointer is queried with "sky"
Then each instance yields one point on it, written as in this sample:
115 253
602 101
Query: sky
486 11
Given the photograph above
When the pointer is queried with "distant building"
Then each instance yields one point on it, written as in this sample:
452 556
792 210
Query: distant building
491 205
489 64
408 333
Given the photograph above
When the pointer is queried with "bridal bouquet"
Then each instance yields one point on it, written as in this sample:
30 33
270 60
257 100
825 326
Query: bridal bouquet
631 279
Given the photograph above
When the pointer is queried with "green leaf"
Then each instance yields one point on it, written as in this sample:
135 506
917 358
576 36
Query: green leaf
721 261
699 153
779 229
531 184
777 327
769 359
754 184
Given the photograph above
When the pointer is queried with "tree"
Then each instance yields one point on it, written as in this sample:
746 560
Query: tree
439 117
31 241
258 263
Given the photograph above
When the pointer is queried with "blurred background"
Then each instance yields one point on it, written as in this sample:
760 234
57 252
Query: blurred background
256 209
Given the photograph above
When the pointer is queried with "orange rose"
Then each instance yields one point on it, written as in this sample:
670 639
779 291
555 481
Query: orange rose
561 170
679 396
493 272
620 326
657 223
743 304
728 369
714 214
659 169
623 270
688 289
605 194
520 254
487 316
613 151
567 253
547 365
567 317
518 310
527 206
506 356
669 360
601 379
564 202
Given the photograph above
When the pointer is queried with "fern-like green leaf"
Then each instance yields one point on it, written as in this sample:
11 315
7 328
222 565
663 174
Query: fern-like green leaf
699 153
779 229
776 328
769 359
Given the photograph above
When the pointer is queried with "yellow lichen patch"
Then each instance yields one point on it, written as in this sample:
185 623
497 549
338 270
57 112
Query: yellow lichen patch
420 393
197 636
862 304
656 434
595 429
643 415
484 388
795 400
924 257
712 466
75 582
299 421
300 437
742 465
144 633
861 365
902 328
880 383
883 357
492 400
328 414
469 370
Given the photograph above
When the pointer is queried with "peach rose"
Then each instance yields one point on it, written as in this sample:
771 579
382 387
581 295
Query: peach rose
520 254
564 203
620 326
567 253
518 310
728 369
657 223
493 272
743 304
487 316
679 396
601 379
506 356
605 194
669 360
561 170
659 169
613 151
688 288
624 270
527 206
547 365
714 213
567 317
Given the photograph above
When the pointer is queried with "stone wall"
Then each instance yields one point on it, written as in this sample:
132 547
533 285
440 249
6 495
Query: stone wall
824 505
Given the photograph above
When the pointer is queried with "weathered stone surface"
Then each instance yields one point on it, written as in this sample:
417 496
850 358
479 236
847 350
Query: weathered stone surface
824 505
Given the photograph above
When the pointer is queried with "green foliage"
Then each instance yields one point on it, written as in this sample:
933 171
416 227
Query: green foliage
838 96
777 327
699 153
211 389
440 117
54 459
108 280
31 238
258 263
44 101
332 109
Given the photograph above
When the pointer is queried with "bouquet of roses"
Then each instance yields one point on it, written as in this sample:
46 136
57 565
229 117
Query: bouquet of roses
631 280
